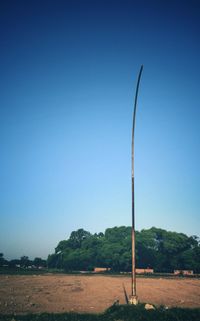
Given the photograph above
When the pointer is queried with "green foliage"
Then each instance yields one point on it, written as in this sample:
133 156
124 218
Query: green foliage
38 262
114 313
24 261
155 248
55 261
2 260
77 237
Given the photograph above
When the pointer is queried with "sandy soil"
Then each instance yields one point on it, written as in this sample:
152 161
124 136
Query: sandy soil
60 293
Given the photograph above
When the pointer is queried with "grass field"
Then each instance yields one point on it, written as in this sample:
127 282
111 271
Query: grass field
114 313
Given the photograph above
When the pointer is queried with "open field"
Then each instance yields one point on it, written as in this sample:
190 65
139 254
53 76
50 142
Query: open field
81 293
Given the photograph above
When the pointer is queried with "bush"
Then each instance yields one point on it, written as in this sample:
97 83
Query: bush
115 313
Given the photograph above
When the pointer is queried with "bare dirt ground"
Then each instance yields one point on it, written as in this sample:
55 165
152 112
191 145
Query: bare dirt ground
81 293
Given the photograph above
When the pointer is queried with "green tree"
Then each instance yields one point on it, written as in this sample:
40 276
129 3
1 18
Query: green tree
156 248
77 237
13 263
2 260
24 261
55 261
62 245
39 262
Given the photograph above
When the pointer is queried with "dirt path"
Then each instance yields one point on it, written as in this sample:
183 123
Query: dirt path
60 293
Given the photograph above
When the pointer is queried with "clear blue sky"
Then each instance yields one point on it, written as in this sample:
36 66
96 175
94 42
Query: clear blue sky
68 76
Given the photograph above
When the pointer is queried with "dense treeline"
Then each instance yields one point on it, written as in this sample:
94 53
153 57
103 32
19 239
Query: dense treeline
155 248
23 262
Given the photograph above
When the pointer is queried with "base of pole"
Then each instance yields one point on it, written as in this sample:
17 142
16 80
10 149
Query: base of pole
133 299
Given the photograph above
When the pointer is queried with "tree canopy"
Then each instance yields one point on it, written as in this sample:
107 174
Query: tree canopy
156 248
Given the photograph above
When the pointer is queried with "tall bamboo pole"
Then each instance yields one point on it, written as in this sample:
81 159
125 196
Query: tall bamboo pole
133 297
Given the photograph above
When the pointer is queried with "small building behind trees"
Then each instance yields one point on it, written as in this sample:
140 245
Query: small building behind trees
183 272
101 269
